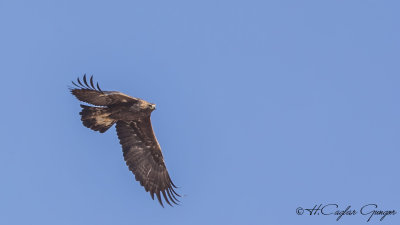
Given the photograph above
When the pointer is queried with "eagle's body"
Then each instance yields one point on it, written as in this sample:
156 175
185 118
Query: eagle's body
140 147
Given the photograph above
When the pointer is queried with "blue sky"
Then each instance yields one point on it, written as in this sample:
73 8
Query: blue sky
262 107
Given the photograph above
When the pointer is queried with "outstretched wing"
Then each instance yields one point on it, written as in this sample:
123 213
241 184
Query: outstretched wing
143 156
89 93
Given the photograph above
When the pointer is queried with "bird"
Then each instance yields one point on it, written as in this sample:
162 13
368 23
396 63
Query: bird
141 150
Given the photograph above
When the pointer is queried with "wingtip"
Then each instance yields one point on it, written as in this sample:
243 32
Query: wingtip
172 197
165 197
159 199
85 84
79 82
85 81
98 87
152 195
91 83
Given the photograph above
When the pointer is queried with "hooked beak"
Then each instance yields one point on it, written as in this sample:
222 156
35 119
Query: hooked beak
153 106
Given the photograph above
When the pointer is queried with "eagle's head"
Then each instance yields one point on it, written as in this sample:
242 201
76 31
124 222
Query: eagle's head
152 106
142 106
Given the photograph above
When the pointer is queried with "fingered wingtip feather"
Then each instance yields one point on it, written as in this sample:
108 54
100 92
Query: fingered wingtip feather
91 82
159 199
98 87
172 198
173 191
165 197
172 183
152 195
70 88
85 81
79 82
87 84
74 84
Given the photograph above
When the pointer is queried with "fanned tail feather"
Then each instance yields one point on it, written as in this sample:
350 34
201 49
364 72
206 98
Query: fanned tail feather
96 118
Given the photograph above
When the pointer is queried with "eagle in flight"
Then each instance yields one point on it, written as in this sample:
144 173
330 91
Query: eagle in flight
140 147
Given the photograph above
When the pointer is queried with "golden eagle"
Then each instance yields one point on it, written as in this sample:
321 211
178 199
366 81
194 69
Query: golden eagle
140 147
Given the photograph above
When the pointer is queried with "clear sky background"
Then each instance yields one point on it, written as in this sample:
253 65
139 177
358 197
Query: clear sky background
262 107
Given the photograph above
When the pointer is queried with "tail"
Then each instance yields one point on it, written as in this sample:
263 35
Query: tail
96 118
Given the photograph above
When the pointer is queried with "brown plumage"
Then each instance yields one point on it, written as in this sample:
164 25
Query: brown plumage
140 147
